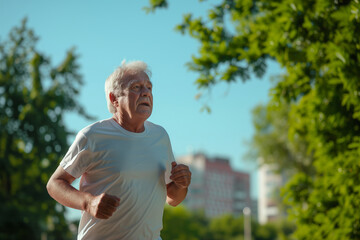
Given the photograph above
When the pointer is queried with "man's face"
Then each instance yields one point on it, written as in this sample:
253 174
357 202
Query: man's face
136 100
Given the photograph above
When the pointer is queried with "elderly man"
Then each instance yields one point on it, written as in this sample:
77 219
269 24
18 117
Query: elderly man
126 165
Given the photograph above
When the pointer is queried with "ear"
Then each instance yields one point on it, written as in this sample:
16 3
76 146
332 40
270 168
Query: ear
113 99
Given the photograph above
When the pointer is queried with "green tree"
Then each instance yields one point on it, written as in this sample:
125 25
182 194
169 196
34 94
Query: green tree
34 95
226 227
232 228
318 43
271 142
271 145
180 224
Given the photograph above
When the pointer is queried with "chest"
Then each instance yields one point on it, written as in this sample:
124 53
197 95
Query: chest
126 159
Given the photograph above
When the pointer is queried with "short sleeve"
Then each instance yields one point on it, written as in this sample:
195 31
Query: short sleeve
78 158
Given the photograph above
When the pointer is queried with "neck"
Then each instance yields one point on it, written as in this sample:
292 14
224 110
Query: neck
131 125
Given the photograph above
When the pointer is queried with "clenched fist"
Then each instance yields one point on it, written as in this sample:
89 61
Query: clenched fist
180 175
102 206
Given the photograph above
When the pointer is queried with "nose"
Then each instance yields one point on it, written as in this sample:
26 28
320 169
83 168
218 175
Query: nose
145 91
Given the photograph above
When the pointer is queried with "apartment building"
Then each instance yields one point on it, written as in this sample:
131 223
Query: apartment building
215 187
270 182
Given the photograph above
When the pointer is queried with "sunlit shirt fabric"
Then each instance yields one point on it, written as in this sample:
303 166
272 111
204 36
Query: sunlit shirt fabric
132 166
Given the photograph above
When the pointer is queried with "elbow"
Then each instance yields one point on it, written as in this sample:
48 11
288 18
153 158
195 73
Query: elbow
49 187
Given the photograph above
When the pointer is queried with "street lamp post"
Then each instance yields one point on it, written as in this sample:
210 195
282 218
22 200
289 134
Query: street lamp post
247 223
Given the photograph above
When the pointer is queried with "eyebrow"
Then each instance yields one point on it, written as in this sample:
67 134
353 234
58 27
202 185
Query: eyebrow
131 82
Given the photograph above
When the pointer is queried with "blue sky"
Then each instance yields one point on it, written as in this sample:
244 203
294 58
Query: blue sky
106 33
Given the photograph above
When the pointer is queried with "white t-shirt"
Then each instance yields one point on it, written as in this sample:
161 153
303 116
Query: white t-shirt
132 166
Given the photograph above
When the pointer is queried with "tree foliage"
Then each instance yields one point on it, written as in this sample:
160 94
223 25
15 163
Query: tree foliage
318 44
271 143
180 224
34 95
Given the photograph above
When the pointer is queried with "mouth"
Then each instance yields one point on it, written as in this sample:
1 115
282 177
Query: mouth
145 104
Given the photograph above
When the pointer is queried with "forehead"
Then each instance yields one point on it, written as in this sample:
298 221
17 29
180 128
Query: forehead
136 77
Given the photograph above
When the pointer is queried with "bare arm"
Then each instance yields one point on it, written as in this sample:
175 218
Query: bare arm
59 188
177 189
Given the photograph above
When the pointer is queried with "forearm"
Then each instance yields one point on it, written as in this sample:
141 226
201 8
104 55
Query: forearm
59 187
64 193
175 194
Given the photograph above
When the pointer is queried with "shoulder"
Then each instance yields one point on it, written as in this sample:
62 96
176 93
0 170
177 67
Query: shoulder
154 127
158 132
95 128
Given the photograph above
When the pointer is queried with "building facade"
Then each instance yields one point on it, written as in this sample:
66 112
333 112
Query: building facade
215 187
270 182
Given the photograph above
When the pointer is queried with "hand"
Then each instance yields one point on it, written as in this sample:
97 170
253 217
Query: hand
180 175
103 206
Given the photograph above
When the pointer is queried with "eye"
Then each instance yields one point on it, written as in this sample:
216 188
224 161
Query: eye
136 87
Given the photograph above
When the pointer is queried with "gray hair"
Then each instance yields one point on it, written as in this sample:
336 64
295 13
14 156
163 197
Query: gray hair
115 82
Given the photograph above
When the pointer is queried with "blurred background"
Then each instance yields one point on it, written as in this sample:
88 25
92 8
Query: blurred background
260 99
